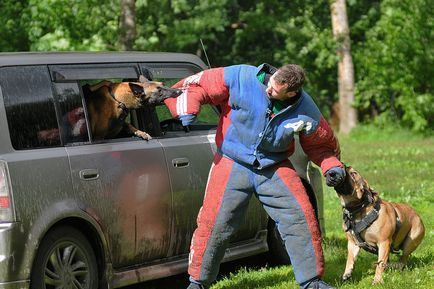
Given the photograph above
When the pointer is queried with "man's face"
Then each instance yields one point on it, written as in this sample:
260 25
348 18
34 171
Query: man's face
278 91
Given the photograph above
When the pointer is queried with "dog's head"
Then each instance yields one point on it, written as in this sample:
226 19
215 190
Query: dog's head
354 186
151 92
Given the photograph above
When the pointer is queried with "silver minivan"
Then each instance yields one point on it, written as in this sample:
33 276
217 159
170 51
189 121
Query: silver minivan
106 214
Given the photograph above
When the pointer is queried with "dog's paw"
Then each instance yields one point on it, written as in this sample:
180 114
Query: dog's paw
143 135
346 276
377 281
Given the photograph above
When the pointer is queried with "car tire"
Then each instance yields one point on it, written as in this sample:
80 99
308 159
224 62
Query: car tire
277 251
65 259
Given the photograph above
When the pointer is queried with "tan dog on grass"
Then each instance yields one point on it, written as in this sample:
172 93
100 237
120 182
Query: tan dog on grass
376 225
109 103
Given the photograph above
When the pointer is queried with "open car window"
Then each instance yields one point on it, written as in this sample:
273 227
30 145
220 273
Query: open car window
71 85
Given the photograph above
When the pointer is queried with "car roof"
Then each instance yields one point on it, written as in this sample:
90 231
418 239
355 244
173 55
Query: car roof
41 58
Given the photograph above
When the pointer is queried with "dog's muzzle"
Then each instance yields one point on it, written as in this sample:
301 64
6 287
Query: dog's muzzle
170 92
344 189
176 92
162 94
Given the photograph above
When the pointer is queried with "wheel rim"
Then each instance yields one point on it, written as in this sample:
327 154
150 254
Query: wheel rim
66 267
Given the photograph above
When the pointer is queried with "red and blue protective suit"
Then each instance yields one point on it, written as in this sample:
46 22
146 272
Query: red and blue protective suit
252 158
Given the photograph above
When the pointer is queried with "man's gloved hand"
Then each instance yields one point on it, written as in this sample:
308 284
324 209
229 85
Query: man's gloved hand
187 119
334 176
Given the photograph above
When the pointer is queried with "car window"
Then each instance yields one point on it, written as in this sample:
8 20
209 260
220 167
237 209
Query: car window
29 107
73 125
73 84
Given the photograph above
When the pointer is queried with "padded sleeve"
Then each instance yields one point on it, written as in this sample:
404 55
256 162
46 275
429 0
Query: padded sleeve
205 87
322 146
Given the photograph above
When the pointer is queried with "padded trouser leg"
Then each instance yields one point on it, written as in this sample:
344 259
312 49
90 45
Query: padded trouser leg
284 198
226 200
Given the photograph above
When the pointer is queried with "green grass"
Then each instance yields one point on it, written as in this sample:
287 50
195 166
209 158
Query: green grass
398 164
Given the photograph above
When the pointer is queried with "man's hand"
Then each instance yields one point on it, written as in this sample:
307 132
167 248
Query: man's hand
187 119
335 176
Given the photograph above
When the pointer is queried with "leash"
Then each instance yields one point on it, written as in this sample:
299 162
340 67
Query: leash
121 106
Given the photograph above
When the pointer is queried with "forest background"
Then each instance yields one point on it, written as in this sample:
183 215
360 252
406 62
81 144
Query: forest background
392 42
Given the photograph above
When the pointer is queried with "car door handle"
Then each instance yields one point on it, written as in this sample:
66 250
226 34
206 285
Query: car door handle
180 162
89 174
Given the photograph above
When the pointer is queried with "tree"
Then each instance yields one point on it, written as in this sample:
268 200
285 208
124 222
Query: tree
13 31
347 114
391 42
127 24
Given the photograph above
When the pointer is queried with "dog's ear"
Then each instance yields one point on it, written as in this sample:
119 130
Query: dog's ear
136 88
369 189
143 79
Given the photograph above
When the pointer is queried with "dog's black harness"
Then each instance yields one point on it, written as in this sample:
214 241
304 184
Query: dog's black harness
357 227
124 110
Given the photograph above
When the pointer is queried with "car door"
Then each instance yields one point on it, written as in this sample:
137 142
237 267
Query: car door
123 182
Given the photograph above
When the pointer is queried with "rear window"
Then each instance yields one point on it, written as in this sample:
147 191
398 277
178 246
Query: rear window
29 107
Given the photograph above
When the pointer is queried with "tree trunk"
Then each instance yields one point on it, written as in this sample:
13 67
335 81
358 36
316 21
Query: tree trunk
127 24
341 32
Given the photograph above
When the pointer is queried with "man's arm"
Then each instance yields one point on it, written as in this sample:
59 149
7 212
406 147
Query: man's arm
204 87
322 146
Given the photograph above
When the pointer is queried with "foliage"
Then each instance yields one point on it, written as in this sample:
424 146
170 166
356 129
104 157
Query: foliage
62 25
280 32
391 42
177 25
395 65
13 33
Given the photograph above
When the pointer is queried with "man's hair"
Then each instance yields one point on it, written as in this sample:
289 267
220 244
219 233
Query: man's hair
292 75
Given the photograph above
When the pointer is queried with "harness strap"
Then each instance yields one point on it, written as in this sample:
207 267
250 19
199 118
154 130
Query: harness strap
357 228
349 212
368 219
121 106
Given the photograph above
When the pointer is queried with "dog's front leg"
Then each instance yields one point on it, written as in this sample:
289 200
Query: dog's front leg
353 251
142 134
383 256
137 132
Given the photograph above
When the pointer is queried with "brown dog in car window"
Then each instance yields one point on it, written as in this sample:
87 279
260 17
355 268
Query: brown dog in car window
378 226
109 104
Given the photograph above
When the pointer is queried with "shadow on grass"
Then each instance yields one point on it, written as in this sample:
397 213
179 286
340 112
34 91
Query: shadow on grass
272 278
335 248
180 281
251 264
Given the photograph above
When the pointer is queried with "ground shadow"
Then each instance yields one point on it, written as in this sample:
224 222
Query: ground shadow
180 281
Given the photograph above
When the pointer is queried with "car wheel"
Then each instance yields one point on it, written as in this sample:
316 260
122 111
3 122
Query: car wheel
65 259
277 251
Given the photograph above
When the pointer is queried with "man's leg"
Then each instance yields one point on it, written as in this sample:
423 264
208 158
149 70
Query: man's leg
226 199
285 200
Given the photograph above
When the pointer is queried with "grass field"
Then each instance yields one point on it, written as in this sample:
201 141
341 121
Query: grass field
399 165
